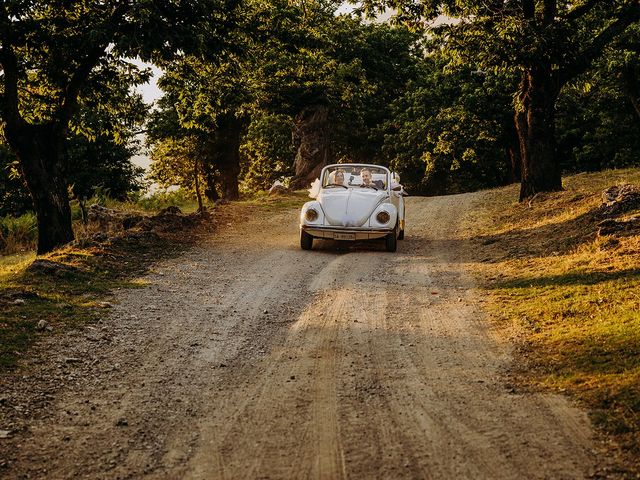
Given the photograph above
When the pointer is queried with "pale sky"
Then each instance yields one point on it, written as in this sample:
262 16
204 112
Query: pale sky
150 93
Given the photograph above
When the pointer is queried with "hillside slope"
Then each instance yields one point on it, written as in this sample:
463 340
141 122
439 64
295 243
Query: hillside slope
568 288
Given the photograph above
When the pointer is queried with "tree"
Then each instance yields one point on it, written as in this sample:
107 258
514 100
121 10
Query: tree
452 131
102 164
176 161
267 151
51 54
598 116
336 77
205 98
333 75
548 43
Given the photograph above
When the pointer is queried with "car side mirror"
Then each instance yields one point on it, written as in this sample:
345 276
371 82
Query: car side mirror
397 188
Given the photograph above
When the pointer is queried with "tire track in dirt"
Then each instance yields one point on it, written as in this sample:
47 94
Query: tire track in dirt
249 358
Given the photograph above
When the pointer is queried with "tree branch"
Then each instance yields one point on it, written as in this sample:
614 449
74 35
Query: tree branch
580 10
82 72
9 62
629 14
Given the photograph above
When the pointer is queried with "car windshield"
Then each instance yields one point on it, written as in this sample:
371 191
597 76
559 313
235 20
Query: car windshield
350 176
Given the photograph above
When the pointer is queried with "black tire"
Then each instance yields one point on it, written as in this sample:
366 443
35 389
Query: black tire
401 235
306 240
391 241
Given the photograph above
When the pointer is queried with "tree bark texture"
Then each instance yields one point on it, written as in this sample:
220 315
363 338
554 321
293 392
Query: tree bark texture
196 181
40 151
225 155
311 134
535 124
210 180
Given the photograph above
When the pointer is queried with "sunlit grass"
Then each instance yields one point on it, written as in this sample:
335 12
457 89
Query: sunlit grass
575 295
277 202
67 297
11 263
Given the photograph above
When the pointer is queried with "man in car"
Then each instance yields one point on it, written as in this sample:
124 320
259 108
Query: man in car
367 180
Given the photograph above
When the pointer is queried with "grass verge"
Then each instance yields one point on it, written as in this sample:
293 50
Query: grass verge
68 288
574 295
72 288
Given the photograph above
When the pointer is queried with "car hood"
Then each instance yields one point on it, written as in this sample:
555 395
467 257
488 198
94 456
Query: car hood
350 208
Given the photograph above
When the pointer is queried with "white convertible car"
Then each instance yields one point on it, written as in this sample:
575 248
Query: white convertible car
354 202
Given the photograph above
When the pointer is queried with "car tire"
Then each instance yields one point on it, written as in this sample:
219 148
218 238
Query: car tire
401 235
306 240
391 241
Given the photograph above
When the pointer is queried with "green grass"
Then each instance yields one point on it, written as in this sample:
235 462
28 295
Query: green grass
18 234
150 204
574 294
185 201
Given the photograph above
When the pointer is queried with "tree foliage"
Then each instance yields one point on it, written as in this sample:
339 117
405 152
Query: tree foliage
503 89
288 61
267 151
14 196
547 43
452 130
56 56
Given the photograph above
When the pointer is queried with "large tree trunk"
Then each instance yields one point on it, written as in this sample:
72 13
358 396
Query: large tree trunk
211 180
225 155
40 151
311 127
535 124
631 88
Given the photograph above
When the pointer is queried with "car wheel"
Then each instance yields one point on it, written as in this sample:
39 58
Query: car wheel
401 233
391 241
306 240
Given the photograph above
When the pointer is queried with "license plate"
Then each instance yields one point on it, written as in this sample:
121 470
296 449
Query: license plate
344 236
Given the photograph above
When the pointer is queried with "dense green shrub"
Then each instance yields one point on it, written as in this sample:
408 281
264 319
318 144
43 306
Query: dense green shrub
18 233
158 200
267 152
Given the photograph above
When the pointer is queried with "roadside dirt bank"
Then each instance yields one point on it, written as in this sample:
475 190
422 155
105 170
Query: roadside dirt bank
249 358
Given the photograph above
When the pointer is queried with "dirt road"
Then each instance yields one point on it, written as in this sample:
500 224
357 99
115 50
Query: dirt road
249 358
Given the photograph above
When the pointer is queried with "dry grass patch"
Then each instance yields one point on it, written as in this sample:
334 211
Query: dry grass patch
69 287
575 295
279 202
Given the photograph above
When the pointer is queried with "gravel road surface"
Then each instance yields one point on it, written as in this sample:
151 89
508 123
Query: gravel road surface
247 357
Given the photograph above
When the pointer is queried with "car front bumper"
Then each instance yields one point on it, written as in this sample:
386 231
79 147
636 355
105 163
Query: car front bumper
345 233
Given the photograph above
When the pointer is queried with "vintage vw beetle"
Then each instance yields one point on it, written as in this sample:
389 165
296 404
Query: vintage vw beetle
354 202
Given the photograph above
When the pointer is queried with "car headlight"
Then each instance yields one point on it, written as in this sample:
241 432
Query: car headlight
383 217
311 215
